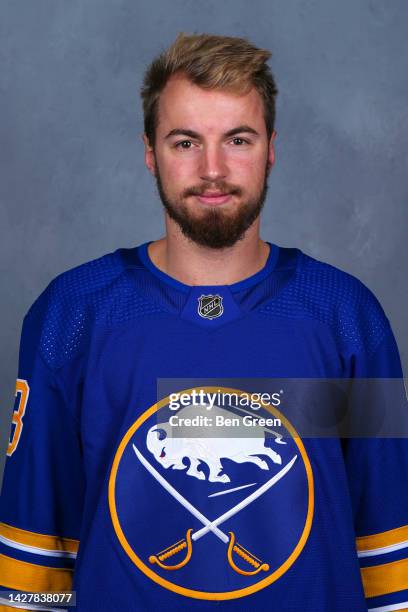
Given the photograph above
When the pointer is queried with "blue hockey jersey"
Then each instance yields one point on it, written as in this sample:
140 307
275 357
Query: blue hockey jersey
108 491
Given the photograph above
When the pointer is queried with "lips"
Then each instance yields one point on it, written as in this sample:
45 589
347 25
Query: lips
214 197
214 194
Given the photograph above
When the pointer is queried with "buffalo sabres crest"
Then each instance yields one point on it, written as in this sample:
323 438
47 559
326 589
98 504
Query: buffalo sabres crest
211 511
210 306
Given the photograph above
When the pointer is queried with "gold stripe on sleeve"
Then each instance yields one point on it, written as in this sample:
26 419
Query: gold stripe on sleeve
38 540
383 539
385 578
23 576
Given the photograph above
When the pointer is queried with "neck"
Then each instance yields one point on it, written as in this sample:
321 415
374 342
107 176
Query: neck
193 264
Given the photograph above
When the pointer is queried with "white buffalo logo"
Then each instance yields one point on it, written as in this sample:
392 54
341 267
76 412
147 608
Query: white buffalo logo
170 450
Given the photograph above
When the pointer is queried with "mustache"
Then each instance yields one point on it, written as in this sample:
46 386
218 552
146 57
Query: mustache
216 186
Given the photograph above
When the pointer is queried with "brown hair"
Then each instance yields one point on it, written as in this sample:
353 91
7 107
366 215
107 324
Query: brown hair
212 62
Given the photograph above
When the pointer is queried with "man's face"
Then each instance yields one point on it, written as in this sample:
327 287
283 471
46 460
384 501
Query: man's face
211 160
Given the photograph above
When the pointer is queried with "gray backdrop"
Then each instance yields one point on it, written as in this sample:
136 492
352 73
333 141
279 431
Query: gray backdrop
73 185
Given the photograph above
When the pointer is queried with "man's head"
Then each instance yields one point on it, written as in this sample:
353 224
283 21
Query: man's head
209 112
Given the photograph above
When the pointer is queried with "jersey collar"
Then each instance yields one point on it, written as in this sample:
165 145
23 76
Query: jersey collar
234 287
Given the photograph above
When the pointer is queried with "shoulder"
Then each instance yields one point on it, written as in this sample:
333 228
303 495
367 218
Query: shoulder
334 287
60 319
345 302
79 282
320 291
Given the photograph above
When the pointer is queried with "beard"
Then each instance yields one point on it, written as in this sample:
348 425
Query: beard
214 228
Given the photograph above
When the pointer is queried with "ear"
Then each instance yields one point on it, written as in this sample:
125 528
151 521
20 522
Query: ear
149 156
271 151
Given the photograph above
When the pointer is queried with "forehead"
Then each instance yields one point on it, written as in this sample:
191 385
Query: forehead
184 104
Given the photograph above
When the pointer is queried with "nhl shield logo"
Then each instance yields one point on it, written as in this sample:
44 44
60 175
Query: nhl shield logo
210 306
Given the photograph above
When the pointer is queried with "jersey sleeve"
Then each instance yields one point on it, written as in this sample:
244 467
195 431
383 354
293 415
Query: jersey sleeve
377 469
43 484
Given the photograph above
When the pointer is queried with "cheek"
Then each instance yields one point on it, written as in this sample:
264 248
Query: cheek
248 171
175 171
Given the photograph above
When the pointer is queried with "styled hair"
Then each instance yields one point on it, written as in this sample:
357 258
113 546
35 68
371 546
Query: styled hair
211 62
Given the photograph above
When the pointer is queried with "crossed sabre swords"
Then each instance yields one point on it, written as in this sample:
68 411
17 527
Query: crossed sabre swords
233 545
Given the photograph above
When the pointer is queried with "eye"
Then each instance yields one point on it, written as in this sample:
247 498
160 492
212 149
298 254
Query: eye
239 141
183 144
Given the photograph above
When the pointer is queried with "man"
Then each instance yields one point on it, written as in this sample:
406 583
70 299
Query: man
117 482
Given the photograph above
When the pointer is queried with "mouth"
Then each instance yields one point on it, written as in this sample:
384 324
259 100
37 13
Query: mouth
215 197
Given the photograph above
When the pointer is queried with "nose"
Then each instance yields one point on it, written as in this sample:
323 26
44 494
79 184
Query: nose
212 164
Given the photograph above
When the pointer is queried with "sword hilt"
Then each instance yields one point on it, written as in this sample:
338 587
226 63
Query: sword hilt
173 550
242 552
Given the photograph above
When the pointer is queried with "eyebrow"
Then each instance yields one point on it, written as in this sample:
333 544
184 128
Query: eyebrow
237 130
